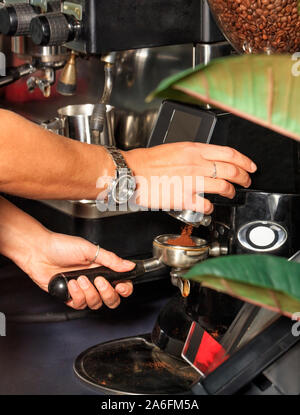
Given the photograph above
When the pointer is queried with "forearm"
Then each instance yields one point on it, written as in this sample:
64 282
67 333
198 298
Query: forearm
41 254
36 163
20 234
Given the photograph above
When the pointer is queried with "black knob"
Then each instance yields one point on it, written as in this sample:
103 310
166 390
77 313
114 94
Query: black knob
53 29
15 20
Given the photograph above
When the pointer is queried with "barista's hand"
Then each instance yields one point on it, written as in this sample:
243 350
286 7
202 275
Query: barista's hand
60 253
192 159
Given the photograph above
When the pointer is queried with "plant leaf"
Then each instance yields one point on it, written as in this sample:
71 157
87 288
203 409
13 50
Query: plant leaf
269 281
260 88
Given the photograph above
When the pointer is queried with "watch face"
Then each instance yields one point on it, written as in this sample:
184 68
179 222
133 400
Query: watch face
124 189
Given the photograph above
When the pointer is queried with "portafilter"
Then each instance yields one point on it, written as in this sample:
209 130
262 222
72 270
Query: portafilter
179 258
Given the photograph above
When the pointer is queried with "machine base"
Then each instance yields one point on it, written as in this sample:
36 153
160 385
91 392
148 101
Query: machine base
134 366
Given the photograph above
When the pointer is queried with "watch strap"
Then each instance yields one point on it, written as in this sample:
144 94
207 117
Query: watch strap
118 159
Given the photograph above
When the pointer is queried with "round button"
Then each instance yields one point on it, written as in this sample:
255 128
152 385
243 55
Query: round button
262 236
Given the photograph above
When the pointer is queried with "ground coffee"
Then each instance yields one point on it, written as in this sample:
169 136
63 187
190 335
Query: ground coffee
184 239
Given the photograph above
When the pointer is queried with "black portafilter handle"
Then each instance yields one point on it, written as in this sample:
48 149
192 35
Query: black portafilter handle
58 285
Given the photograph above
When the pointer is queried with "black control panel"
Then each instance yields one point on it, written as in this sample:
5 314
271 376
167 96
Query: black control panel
178 122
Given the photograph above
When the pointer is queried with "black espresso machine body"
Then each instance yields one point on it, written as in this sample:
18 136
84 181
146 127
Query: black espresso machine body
264 218
102 26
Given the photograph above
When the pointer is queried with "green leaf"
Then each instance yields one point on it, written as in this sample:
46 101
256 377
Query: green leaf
260 88
269 281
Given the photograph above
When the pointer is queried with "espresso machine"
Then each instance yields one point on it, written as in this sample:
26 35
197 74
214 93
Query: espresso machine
108 37
124 62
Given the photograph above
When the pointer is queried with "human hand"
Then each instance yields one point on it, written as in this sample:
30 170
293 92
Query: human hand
191 159
60 253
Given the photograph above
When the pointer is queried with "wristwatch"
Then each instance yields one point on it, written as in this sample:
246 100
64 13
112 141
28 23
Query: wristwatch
123 185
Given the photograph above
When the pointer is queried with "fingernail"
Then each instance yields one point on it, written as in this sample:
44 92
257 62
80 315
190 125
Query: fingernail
102 284
73 285
127 263
253 167
122 289
83 283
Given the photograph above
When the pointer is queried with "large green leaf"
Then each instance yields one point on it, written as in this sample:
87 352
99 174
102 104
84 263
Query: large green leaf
268 281
260 88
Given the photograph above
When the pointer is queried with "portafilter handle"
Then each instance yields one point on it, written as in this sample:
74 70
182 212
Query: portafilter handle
58 285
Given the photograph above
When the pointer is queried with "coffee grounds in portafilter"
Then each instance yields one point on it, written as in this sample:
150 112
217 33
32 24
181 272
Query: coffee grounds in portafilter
260 25
184 239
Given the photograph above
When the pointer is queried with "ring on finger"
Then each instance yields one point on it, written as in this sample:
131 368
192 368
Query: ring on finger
96 256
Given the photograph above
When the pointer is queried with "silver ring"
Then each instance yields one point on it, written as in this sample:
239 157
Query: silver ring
215 171
97 253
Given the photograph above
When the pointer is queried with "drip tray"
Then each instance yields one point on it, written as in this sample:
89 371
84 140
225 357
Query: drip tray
136 366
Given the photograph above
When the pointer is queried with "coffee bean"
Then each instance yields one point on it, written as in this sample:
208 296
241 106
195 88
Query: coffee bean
255 26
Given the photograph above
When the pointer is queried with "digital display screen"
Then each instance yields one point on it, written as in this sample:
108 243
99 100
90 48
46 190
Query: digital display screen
183 127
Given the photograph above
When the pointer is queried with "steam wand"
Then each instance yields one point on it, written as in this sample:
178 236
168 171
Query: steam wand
98 117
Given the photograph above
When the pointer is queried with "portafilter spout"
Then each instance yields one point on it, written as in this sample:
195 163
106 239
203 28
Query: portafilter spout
164 255
192 218
68 80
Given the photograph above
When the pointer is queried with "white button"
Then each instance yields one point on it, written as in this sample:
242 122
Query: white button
262 236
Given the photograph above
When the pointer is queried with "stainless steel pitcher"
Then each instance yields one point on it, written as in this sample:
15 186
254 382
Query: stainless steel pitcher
73 121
